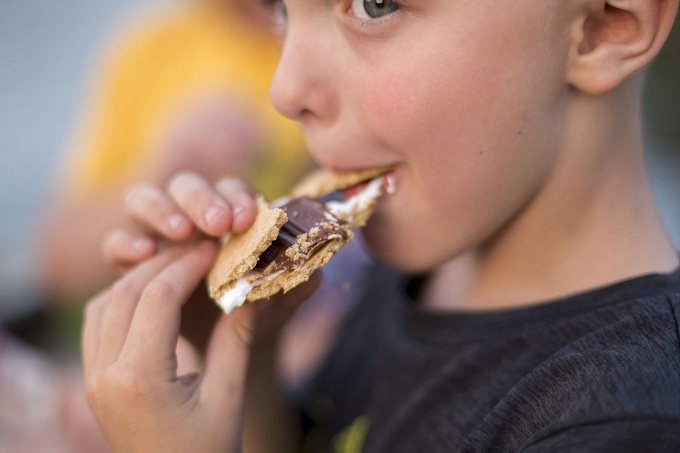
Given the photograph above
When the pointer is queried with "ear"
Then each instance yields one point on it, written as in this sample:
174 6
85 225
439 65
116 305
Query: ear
616 38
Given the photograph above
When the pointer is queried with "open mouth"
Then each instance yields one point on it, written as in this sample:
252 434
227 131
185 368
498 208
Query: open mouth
387 186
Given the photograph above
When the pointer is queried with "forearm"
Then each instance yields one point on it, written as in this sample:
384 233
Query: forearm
270 423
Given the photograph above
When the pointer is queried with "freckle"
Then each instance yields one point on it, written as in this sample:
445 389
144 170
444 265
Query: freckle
519 133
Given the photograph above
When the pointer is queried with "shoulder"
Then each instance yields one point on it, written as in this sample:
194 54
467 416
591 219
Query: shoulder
633 435
618 376
627 366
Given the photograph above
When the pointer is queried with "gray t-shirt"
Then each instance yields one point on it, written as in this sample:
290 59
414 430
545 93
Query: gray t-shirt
595 372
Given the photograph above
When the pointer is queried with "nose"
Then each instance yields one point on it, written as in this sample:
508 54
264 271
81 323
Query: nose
302 89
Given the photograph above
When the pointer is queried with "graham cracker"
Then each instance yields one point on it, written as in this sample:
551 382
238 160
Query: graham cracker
241 251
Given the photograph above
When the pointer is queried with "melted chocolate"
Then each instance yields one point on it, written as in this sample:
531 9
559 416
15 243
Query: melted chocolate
309 227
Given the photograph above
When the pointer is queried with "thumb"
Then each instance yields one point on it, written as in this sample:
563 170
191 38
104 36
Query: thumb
227 359
277 311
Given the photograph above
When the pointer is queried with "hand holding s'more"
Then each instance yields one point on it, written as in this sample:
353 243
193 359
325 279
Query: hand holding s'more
267 248
295 236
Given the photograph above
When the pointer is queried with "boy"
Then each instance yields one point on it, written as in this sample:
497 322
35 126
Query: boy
546 314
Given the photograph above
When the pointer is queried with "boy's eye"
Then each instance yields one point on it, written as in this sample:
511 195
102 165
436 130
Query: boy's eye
280 13
278 10
374 9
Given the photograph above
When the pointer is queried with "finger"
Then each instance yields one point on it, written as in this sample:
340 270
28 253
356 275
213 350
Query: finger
209 211
188 360
283 305
154 331
93 311
227 359
302 292
154 209
124 248
241 196
122 304
277 311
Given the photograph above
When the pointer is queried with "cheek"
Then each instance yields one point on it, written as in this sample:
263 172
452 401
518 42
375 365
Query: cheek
473 135
440 123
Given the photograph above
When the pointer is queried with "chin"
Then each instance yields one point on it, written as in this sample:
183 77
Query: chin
390 251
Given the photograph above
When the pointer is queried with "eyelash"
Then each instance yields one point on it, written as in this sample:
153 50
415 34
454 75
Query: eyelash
362 25
272 5
269 3
350 17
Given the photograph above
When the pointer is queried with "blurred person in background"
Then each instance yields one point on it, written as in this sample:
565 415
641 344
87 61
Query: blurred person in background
182 89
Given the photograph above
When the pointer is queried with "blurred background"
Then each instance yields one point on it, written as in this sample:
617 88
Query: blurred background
47 50
50 54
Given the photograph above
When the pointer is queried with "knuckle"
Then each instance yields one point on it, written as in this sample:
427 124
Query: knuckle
138 192
245 332
128 381
108 246
181 180
193 194
159 290
125 384
93 391
92 308
235 188
123 289
115 386
97 302
147 204
111 246
232 389
228 184
89 310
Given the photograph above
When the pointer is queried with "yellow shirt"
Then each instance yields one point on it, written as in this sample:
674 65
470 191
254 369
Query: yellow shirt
153 69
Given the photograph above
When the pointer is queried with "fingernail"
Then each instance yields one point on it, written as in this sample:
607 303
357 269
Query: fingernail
212 213
138 246
176 222
238 209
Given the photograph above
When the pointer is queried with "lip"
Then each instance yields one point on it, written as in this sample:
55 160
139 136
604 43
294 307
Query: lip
339 166
340 169
387 187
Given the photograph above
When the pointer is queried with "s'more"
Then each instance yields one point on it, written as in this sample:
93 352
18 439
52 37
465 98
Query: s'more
296 235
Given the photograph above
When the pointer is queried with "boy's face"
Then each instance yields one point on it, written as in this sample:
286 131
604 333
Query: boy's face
464 96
